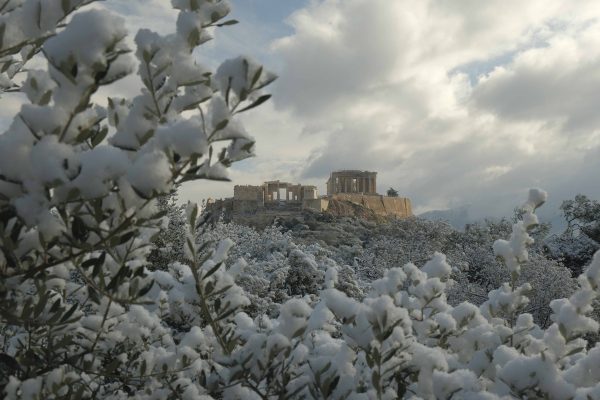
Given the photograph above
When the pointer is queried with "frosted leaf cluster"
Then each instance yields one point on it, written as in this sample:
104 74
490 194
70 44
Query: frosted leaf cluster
25 25
79 184
514 251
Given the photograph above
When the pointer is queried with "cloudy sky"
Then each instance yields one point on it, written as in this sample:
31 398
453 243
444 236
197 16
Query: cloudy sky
452 102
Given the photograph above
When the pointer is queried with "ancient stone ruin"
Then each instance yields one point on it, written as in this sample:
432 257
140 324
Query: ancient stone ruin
360 187
346 189
275 191
352 181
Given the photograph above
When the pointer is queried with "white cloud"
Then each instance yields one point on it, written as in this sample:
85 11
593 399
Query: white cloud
557 83
400 82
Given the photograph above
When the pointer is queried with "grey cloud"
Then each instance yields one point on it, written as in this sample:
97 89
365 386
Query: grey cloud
441 138
559 91
343 54
340 50
457 174
350 148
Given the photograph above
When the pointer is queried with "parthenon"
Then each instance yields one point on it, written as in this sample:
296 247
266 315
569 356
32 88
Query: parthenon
352 181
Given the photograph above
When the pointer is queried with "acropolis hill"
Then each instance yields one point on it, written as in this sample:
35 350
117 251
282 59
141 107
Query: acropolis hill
349 193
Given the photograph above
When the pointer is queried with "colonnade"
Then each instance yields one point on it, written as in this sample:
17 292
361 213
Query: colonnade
348 182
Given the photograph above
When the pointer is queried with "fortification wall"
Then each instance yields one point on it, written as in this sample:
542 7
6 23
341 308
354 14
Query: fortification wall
380 205
283 206
248 192
319 205
398 206
245 206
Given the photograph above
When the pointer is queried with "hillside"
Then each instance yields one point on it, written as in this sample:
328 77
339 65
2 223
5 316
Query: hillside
230 210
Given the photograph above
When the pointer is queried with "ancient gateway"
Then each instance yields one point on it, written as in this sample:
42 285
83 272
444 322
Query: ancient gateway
251 203
274 191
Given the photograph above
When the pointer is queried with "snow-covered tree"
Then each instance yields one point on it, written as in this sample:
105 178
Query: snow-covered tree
405 340
576 246
169 243
279 266
582 215
77 196
399 242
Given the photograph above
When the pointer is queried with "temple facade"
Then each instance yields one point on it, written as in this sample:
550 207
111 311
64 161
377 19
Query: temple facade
352 181
275 191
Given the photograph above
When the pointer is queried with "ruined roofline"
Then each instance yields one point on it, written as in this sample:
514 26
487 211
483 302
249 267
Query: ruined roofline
274 191
281 183
352 171
278 182
352 181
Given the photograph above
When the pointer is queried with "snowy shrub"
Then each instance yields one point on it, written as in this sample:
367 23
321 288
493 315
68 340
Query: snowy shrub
548 279
576 246
479 270
573 251
169 243
25 25
303 276
405 340
280 266
78 196
476 269
582 216
399 242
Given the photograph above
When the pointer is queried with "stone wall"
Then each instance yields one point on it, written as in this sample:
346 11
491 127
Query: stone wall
400 206
246 206
319 205
309 193
381 205
248 192
260 215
